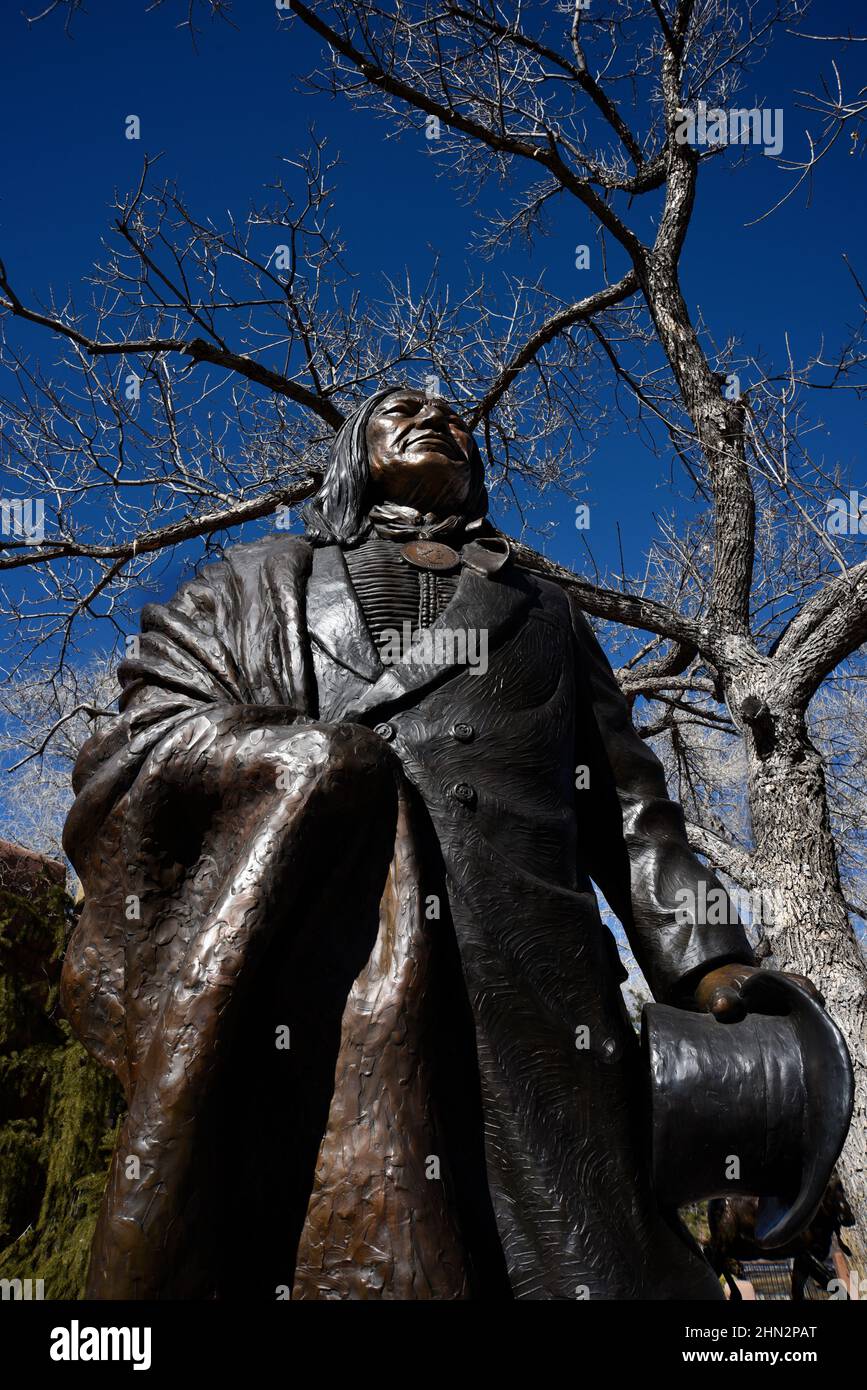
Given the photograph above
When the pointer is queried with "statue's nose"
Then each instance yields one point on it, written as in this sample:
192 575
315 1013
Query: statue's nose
435 415
433 411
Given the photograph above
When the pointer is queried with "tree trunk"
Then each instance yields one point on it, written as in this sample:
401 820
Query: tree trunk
795 859
796 865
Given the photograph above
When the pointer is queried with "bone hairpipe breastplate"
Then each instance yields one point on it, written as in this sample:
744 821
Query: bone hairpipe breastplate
391 592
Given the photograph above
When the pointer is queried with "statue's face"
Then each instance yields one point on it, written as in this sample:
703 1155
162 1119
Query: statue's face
419 453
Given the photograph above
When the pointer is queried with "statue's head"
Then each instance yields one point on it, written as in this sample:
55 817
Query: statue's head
400 446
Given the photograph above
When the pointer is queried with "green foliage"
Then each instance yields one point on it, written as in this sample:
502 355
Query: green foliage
694 1218
62 1107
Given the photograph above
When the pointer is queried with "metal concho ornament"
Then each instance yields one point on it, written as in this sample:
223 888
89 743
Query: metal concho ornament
430 555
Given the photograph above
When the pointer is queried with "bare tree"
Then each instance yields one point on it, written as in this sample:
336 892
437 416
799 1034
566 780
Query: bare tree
46 718
202 380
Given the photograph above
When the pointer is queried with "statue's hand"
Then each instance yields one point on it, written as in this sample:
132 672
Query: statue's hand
720 991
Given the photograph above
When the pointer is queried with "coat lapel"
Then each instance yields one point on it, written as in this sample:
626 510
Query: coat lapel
334 616
484 609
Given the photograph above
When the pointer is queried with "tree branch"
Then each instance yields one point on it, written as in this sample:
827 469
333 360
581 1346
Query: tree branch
557 323
614 604
49 551
502 141
830 626
721 854
197 349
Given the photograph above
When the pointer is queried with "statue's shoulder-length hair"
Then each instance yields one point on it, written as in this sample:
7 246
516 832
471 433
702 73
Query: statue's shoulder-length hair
338 511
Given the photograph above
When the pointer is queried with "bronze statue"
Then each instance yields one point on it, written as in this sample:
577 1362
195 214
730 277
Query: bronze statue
340 941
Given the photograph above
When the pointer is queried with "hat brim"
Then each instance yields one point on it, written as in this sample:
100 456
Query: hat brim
829 1087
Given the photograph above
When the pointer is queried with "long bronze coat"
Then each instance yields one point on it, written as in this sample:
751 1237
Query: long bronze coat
341 947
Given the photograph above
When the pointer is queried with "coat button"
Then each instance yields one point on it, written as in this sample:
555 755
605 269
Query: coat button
462 791
386 731
463 732
610 1050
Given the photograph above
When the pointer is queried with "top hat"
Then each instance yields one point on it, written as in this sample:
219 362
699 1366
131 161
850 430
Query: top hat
759 1107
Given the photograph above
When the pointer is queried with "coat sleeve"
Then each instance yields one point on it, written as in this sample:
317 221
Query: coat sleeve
635 847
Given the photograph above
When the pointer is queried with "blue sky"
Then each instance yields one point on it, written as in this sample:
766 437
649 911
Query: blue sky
224 115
